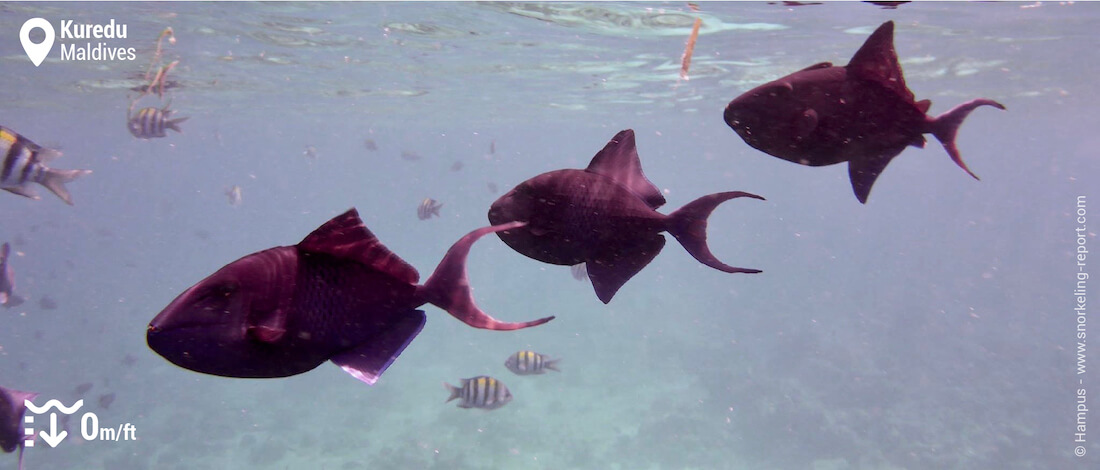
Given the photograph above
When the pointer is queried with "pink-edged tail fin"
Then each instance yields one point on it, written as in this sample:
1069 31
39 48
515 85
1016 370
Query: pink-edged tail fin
689 225
946 126
449 289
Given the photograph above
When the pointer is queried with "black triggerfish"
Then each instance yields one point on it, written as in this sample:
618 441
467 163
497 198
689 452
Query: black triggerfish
605 216
338 295
862 113
12 408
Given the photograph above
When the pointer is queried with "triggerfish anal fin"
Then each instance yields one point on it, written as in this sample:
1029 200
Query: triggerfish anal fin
347 237
449 288
864 171
612 269
878 61
619 161
368 361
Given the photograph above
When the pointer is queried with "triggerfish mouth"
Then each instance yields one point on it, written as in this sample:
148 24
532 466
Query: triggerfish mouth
339 295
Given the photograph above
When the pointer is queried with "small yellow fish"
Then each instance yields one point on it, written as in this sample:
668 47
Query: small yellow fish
428 208
530 363
152 122
234 195
482 392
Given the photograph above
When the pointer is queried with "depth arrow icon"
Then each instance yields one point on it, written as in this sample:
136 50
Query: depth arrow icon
53 438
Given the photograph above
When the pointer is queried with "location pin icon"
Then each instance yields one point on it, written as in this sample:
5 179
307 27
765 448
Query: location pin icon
37 52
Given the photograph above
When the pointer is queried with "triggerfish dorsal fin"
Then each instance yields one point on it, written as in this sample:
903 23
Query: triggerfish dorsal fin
345 236
619 161
876 60
449 289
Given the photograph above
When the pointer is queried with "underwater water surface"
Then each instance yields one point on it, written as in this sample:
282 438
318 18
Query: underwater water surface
932 328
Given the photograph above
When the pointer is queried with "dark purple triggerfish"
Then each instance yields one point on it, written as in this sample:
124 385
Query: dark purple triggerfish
338 295
861 113
604 216
12 409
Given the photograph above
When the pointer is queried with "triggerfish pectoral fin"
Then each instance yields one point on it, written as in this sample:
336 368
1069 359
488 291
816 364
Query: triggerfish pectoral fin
368 361
449 289
614 267
689 225
946 126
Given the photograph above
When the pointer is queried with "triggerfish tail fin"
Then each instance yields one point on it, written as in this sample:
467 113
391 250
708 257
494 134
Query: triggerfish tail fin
449 289
54 180
946 126
689 226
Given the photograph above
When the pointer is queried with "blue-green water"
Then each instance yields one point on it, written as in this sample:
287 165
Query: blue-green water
932 328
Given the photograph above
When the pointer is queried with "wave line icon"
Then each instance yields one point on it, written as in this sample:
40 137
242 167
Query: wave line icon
54 403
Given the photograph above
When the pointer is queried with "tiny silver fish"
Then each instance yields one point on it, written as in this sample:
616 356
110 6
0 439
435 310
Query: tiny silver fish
311 152
24 162
428 208
370 145
153 122
482 392
7 280
234 195
530 363
410 156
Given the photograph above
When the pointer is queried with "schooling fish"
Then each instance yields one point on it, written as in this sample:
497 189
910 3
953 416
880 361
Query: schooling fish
861 113
530 363
482 392
428 208
7 280
338 295
24 162
153 122
234 195
604 216
11 420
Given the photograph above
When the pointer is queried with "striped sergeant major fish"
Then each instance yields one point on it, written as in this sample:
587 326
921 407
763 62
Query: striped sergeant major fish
530 363
153 122
24 162
482 392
